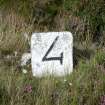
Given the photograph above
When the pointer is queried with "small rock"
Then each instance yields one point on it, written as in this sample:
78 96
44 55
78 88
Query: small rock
25 58
24 71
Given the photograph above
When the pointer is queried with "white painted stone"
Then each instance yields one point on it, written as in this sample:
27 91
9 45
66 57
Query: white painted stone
62 43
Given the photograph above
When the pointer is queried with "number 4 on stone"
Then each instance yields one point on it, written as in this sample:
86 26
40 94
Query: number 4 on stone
53 58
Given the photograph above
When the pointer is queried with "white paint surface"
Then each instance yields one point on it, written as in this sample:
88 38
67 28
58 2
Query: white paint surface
41 42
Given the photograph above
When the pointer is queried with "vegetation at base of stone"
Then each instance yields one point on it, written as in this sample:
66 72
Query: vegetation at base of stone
85 19
85 86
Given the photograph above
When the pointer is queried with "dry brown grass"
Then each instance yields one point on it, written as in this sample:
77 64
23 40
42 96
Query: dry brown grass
12 30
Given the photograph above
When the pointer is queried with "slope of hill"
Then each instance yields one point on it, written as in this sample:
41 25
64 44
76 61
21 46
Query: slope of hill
85 19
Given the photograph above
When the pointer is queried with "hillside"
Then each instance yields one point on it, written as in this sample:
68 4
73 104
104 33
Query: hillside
85 19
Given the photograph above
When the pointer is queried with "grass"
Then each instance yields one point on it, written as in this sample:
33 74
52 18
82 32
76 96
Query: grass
84 86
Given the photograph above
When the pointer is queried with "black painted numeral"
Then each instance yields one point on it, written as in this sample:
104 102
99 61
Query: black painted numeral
53 58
